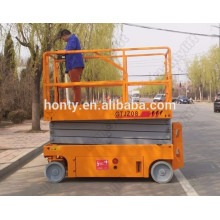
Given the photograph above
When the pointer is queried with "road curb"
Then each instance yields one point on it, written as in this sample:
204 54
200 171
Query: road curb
20 160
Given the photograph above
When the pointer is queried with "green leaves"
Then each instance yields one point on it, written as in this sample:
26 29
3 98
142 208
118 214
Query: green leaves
152 90
9 53
205 70
99 36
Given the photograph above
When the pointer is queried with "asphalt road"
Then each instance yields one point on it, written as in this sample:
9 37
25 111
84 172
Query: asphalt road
200 175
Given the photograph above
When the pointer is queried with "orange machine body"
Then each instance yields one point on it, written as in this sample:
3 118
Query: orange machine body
111 160
133 160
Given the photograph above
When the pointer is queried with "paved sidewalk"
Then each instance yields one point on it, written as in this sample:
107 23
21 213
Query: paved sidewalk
18 144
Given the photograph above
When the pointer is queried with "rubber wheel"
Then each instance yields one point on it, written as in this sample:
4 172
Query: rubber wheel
55 172
161 172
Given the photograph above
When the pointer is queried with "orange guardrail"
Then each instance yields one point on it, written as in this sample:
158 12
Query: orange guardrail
98 54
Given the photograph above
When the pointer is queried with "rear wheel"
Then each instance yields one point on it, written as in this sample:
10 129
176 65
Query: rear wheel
55 172
161 172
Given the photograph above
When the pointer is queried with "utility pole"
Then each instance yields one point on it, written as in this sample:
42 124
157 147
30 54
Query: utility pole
218 43
219 33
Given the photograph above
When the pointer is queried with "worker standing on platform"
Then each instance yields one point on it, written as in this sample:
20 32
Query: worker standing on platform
74 61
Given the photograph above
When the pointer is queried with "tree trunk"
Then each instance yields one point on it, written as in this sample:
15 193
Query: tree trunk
106 95
62 78
93 95
87 94
103 95
36 103
200 94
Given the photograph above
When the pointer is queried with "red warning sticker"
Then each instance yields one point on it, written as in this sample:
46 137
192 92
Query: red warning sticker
101 164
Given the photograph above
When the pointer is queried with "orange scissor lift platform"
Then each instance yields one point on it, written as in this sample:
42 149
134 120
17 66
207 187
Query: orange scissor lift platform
110 143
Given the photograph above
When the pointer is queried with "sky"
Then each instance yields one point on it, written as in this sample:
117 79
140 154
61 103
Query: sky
140 37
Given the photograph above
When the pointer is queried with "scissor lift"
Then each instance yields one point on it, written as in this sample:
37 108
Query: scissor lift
111 143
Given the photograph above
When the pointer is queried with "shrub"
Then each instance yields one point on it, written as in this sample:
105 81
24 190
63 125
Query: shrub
17 116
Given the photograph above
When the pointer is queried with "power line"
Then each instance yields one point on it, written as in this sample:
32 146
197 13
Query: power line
215 26
174 31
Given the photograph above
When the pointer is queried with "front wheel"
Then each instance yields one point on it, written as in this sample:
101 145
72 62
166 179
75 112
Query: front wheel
161 172
55 172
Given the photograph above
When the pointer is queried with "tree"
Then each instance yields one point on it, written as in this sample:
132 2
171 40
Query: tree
214 65
8 78
204 73
8 88
100 36
38 38
9 53
195 75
